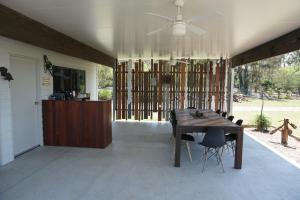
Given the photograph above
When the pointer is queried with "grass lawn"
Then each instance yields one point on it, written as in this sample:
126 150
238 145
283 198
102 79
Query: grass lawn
270 103
275 116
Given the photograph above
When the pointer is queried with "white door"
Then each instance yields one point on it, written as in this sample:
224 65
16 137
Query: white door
24 111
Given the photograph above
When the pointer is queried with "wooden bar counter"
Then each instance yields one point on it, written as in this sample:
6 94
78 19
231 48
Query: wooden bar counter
77 123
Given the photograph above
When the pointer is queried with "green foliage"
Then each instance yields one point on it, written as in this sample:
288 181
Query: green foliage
267 86
288 94
293 58
242 79
280 74
104 76
105 94
287 79
262 122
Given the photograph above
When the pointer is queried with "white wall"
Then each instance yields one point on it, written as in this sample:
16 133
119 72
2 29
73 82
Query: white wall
6 150
10 47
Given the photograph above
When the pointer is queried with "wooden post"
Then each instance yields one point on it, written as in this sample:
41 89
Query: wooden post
141 84
210 87
133 89
119 93
146 92
129 88
155 88
201 102
151 90
159 98
217 88
285 132
136 93
182 85
123 92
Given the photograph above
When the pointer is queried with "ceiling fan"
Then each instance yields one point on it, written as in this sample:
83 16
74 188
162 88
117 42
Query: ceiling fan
178 25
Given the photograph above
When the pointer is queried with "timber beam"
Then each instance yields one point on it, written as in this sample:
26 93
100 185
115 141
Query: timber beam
281 45
16 26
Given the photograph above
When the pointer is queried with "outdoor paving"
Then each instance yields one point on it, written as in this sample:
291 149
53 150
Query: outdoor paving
138 165
291 151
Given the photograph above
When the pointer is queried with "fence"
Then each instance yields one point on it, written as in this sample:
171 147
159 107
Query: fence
148 91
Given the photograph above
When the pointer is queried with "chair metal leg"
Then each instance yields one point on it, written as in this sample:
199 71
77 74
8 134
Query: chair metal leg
171 139
220 159
223 147
188 147
233 148
216 154
204 158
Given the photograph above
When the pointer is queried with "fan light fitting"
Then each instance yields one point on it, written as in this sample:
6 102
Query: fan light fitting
179 29
178 24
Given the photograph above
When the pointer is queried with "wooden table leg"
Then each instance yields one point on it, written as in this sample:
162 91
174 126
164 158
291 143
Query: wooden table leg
177 147
239 150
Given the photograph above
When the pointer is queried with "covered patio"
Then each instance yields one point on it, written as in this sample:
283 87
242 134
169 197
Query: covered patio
138 165
59 140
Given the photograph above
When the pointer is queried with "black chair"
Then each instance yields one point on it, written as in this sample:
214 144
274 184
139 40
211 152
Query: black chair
230 138
231 117
213 139
239 122
191 107
224 114
172 115
218 112
184 137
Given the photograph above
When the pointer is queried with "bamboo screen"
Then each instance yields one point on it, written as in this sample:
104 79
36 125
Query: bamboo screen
149 93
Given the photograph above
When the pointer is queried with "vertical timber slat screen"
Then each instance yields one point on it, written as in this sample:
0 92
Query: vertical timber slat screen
154 88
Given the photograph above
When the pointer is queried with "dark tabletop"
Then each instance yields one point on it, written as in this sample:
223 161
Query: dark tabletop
188 119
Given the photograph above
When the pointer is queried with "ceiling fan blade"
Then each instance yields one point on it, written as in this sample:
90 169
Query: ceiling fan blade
195 29
160 16
195 18
155 31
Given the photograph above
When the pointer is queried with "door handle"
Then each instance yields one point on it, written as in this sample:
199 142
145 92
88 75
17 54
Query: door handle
36 103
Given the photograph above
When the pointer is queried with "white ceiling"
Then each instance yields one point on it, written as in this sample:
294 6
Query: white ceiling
119 27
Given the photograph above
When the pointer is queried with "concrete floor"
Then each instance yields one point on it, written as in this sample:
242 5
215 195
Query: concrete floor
138 166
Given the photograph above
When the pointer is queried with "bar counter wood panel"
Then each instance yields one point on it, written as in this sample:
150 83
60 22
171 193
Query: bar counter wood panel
77 123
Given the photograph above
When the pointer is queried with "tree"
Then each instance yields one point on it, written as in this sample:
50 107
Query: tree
287 79
254 75
104 76
242 79
267 86
293 58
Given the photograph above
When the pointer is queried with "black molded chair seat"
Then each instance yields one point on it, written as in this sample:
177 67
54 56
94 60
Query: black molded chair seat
230 137
224 114
187 137
184 137
214 138
239 122
191 107
230 118
218 111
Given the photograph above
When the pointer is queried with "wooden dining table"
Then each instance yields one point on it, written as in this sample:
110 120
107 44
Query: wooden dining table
189 122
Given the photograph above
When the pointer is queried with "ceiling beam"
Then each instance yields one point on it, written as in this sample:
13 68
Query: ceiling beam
281 45
19 27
